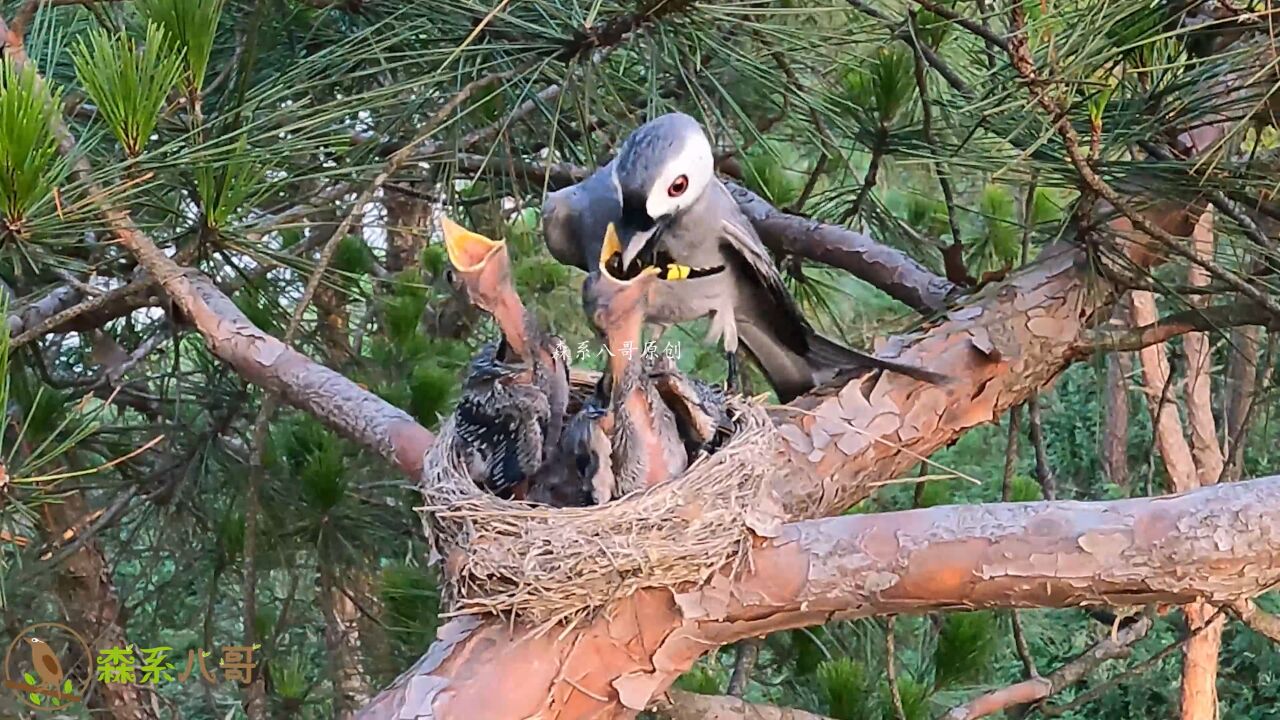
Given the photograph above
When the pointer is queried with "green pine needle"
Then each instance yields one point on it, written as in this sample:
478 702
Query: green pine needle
884 87
226 187
29 168
966 648
192 26
847 687
128 84
291 677
770 169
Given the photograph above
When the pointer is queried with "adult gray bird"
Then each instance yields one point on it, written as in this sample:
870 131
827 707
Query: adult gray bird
513 399
671 210
574 218
647 448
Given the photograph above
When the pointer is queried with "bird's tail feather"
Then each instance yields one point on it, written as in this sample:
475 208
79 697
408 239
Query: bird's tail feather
829 354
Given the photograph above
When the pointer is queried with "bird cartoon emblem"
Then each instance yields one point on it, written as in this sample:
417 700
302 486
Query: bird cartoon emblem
48 666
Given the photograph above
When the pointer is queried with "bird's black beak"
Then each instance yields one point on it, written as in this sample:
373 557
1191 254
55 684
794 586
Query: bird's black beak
636 241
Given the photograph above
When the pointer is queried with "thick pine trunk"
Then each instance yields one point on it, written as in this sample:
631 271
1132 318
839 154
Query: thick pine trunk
1218 543
1242 375
1200 661
1200 655
1115 424
331 302
1162 400
343 640
1204 434
408 227
1114 435
331 305
85 584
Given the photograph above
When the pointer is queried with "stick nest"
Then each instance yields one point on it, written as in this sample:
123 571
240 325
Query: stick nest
545 565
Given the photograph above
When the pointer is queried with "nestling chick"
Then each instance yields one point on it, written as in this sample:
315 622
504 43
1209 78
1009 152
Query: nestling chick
647 448
699 408
514 399
581 471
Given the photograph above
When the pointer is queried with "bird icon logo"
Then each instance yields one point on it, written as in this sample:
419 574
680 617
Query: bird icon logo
48 666
45 663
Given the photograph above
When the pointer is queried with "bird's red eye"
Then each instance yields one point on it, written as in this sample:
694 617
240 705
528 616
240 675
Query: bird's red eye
678 186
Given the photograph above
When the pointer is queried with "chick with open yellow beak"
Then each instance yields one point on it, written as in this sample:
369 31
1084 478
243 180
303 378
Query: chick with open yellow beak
646 443
513 402
484 269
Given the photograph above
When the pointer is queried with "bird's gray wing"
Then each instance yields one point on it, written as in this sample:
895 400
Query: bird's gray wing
744 251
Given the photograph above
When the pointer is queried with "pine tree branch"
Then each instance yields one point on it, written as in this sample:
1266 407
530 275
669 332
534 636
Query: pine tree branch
1219 543
891 667
1100 689
1035 430
978 29
24 17
1226 205
930 56
1260 621
349 6
892 271
1157 379
926 120
61 308
744 662
682 705
1246 372
1010 454
1024 64
829 146
346 407
1205 448
1039 688
878 149
1029 669
1209 319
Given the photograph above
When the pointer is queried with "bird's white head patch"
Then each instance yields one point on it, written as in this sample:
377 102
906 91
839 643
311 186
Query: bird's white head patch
683 178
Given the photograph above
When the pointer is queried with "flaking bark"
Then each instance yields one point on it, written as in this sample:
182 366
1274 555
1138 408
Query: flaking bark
1005 345
1038 688
342 640
681 705
1114 433
1241 384
1200 656
1219 543
1200 661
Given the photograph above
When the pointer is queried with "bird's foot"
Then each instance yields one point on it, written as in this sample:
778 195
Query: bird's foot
733 383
